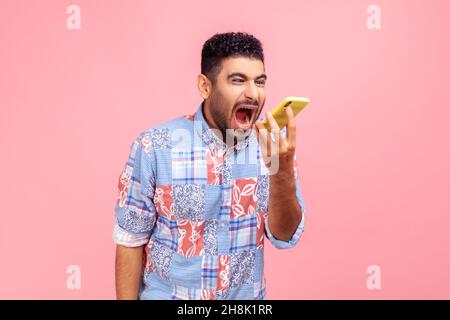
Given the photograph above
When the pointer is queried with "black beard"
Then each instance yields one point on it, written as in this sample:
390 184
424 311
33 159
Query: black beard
221 119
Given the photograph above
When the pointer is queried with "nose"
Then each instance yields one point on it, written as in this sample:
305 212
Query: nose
251 91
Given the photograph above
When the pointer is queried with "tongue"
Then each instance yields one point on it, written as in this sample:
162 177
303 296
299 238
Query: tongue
242 116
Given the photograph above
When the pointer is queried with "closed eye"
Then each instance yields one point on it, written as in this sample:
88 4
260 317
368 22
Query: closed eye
260 83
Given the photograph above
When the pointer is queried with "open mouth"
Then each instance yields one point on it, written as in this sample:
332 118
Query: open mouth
244 115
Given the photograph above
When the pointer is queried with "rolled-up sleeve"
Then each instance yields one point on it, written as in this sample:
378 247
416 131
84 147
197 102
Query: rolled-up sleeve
280 244
135 212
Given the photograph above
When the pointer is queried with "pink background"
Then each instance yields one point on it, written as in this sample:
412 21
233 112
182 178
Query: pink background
373 146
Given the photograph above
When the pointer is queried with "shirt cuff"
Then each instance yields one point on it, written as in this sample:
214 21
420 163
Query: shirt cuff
127 239
281 244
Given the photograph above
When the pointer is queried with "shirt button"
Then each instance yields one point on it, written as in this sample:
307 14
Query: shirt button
222 225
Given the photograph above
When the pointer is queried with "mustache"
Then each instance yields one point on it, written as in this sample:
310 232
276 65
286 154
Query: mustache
247 102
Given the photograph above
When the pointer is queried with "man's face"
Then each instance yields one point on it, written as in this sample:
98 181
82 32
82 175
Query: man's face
238 96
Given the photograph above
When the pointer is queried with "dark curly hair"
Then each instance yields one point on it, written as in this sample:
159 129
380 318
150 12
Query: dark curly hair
224 45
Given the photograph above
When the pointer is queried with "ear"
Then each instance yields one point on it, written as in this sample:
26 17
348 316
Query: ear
204 86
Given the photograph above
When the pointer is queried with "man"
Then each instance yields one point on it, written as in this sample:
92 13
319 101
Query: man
198 194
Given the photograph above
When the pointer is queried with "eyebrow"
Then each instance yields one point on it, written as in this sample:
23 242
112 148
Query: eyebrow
239 74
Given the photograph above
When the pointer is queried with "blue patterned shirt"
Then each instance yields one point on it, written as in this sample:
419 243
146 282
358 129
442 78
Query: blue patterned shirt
200 208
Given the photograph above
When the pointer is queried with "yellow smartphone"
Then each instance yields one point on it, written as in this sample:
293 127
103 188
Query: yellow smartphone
279 113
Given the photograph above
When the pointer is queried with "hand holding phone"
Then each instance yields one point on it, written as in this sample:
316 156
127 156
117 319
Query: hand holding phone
297 104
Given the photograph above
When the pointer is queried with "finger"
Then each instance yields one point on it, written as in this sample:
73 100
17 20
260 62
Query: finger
262 135
273 124
276 132
255 130
274 158
256 126
276 144
291 128
263 139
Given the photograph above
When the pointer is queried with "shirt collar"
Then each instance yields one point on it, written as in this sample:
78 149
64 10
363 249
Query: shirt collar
211 139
